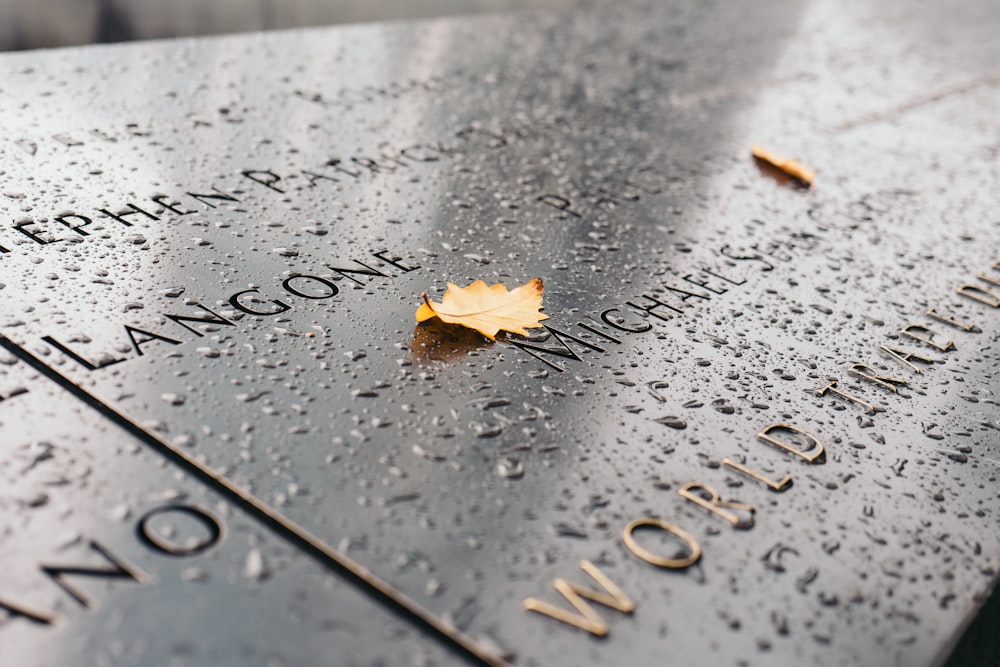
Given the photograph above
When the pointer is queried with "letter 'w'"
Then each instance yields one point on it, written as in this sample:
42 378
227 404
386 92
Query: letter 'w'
585 617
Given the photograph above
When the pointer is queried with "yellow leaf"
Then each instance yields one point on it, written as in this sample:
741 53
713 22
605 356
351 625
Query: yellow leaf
790 167
488 309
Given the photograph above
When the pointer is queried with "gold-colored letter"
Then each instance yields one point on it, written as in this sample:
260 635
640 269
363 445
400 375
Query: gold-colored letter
971 328
585 617
870 374
36 617
779 486
980 294
661 561
714 504
904 357
914 331
989 279
832 387
813 455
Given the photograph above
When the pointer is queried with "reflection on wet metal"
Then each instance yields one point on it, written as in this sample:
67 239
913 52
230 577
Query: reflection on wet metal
271 518
219 418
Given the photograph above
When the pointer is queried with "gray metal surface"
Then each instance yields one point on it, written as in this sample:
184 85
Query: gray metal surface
311 478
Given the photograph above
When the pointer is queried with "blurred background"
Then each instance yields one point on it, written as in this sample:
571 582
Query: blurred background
37 24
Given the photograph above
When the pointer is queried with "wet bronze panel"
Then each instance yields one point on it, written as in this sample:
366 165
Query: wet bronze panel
758 427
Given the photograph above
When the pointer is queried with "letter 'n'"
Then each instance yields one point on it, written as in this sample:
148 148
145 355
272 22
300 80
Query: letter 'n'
118 570
585 617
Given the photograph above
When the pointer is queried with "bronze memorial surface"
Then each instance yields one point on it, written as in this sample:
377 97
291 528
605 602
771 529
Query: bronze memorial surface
759 425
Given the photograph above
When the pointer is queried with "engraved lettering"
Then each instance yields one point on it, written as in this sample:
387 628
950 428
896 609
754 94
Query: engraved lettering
100 134
212 319
598 332
78 227
237 302
312 177
371 165
124 213
119 570
34 235
705 496
687 295
151 538
872 375
703 283
812 451
330 288
67 140
396 160
904 358
628 536
781 485
367 271
652 309
914 331
335 163
90 366
18 611
394 261
831 387
988 279
420 153
564 350
219 195
722 277
971 328
980 294
265 177
29 147
145 337
654 388
173 207
585 618
620 323
725 252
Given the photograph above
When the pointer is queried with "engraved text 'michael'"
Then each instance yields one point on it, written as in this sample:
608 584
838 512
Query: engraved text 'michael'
563 350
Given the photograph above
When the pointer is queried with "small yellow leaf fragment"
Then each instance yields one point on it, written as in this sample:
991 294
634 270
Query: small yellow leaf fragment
789 166
425 312
488 309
